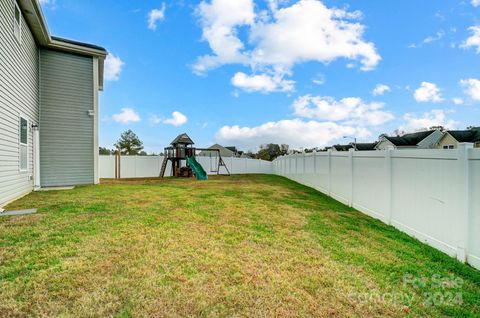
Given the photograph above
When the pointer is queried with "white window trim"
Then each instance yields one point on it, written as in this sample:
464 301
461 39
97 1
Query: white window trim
20 144
449 147
19 38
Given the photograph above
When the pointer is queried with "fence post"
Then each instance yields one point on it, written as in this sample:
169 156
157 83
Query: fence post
464 201
388 186
350 160
136 166
304 162
329 152
297 171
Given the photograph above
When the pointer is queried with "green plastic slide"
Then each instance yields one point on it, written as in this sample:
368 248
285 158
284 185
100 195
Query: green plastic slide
197 168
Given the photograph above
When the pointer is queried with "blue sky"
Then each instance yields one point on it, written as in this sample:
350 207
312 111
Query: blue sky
303 72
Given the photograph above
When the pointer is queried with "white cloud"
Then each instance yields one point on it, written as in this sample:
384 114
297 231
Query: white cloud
296 132
262 83
281 37
380 89
473 40
178 119
113 67
155 16
319 79
50 3
155 120
472 88
458 101
435 117
126 116
349 110
433 38
428 92
220 20
309 31
475 3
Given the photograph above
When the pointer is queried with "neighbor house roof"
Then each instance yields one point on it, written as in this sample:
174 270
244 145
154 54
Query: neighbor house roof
33 14
472 135
409 139
365 146
182 139
232 148
224 151
342 147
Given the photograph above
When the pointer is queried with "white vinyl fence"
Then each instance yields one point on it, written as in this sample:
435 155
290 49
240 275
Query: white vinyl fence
433 195
149 166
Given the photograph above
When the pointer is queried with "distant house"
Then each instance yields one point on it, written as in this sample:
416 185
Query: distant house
224 151
452 138
419 140
48 104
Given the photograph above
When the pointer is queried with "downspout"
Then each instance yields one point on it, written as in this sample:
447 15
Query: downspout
96 178
36 132
36 158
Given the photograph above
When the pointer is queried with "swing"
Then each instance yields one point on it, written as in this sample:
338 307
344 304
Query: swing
212 166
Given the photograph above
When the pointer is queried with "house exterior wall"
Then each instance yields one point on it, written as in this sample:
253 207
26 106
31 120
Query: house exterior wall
18 97
447 140
66 129
431 141
384 144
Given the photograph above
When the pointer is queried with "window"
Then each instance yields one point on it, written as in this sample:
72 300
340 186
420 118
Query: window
23 144
449 147
477 144
17 23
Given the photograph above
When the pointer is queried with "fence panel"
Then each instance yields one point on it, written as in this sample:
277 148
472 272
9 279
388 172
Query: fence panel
474 195
432 195
106 166
370 184
424 202
340 177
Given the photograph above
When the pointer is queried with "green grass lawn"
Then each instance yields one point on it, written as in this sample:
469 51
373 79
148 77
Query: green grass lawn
257 246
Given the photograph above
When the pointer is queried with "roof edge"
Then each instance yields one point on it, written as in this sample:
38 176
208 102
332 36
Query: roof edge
33 14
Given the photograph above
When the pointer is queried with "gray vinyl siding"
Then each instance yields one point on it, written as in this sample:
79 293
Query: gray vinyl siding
431 141
18 96
66 129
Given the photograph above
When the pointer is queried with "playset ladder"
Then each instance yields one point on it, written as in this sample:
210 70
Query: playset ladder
164 167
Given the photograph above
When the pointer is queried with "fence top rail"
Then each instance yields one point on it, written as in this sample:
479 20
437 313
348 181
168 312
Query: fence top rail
370 154
445 154
448 154
341 153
